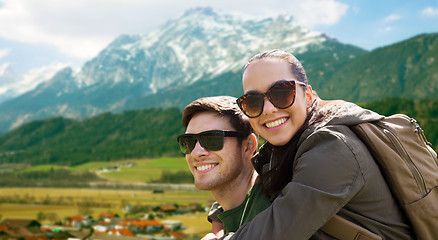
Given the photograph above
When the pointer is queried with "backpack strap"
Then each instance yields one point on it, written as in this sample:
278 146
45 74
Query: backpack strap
343 229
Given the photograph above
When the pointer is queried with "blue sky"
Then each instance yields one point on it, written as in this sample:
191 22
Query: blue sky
40 33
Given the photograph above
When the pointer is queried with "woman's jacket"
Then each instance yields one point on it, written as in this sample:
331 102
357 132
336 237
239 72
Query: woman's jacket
333 173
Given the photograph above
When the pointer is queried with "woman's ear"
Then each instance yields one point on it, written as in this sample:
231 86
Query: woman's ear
309 96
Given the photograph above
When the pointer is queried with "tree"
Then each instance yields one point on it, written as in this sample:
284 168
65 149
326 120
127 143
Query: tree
85 210
41 216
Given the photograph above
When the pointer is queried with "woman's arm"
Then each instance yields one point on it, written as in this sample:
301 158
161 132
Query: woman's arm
326 176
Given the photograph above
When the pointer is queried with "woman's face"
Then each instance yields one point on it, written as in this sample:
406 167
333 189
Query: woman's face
277 126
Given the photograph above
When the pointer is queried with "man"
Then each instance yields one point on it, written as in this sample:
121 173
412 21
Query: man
219 144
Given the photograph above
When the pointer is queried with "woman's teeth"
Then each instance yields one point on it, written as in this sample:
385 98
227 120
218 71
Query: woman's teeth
275 123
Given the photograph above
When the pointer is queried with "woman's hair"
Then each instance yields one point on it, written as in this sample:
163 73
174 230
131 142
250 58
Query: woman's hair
281 157
295 65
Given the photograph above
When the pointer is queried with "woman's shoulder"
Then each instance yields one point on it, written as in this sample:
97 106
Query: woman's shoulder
319 134
335 144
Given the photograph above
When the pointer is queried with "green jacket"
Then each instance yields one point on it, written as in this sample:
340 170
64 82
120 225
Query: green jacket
333 172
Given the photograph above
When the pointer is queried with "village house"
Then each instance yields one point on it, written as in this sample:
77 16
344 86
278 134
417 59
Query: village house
116 237
141 226
168 209
109 217
172 225
78 221
20 228
103 226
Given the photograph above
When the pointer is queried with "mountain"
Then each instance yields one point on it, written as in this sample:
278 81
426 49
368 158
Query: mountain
198 54
408 69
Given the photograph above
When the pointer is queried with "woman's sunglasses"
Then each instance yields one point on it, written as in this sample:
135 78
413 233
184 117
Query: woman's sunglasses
281 95
212 140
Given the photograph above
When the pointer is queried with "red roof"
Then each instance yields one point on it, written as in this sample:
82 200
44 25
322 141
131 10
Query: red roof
77 218
110 215
167 207
3 228
178 234
123 231
139 223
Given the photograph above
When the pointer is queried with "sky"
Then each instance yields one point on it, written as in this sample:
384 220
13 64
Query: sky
38 34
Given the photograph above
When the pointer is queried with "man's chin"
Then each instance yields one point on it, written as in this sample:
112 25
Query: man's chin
203 186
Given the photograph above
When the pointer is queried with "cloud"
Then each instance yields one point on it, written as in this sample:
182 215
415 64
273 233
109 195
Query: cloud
311 13
3 68
4 52
385 30
82 28
429 12
392 18
79 28
37 75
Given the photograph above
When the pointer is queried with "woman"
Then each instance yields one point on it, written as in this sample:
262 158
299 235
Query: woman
313 165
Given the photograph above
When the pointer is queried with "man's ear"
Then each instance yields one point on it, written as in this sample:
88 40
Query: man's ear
250 145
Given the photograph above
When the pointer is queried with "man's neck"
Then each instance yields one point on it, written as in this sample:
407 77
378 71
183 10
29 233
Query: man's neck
234 194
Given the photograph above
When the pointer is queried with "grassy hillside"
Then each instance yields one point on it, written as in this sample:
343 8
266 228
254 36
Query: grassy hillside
407 69
106 137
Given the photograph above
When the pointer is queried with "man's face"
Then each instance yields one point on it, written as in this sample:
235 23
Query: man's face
214 170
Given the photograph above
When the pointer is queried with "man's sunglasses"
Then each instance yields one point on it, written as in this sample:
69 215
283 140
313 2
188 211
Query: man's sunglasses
210 140
281 95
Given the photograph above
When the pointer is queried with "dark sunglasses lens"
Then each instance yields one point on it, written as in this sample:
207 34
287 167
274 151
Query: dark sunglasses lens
282 95
252 104
187 144
212 141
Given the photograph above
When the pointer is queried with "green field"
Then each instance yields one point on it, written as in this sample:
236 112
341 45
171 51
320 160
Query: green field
146 170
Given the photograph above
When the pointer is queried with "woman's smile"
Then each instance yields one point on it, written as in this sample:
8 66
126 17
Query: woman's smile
276 123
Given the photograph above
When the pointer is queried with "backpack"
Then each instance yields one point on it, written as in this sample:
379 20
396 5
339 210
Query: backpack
410 167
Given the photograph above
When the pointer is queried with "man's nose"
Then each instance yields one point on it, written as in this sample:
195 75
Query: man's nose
199 150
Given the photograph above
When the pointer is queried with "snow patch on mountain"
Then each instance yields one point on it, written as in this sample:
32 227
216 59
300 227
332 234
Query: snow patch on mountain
13 84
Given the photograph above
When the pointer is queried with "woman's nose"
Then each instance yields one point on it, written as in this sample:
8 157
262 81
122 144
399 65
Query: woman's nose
268 107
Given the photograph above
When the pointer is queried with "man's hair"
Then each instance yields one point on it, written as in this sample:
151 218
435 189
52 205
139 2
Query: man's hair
225 106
